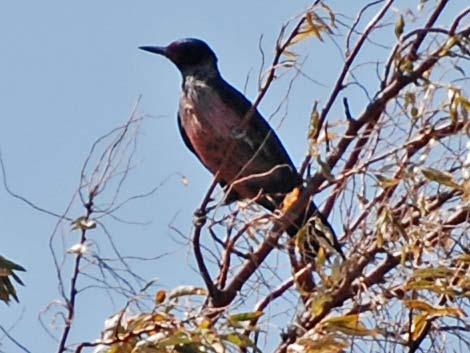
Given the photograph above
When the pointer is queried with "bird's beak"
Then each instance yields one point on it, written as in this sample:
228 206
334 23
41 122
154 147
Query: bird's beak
155 50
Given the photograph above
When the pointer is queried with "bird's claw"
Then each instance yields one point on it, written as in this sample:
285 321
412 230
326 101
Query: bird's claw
200 217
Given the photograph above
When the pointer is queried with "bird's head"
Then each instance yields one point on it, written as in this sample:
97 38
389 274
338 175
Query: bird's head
189 55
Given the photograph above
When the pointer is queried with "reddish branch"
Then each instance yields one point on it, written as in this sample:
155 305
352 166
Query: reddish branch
339 85
70 301
369 117
367 120
224 297
413 53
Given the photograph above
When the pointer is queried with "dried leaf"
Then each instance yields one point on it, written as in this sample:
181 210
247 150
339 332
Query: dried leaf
186 290
83 223
290 199
419 324
385 182
160 296
205 323
312 26
330 12
240 340
318 302
399 26
463 102
440 177
433 311
348 324
325 170
322 344
314 123
464 259
290 54
448 46
433 272
78 249
418 305
179 338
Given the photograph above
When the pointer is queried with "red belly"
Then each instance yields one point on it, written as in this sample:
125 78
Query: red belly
215 134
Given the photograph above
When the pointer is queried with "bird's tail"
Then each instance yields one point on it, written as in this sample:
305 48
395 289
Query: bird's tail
312 231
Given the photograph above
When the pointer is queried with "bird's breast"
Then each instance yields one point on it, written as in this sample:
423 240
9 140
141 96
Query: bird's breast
215 131
209 123
241 155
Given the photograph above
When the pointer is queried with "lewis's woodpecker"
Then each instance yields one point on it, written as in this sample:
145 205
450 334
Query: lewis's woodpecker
231 138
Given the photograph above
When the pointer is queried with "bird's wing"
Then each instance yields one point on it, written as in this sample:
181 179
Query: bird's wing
258 127
185 137
259 130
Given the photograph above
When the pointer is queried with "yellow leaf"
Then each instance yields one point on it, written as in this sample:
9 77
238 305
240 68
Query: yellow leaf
348 324
464 258
418 305
240 341
290 54
205 324
399 26
448 311
313 26
318 302
419 323
410 98
314 122
405 65
323 344
463 101
320 259
433 272
449 44
160 296
433 311
248 316
290 199
440 177
385 182
328 136
302 35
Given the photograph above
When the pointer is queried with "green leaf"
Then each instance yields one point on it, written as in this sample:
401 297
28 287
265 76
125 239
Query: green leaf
441 177
399 26
385 182
348 324
240 341
7 264
248 316
7 290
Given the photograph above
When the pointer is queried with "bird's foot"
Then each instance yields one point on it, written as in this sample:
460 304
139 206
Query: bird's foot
200 217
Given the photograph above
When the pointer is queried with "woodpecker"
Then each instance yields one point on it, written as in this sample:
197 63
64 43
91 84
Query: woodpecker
233 141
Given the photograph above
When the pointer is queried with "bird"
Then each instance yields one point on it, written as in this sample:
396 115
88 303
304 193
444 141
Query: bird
233 141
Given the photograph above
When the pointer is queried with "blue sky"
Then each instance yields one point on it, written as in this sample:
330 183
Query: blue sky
70 72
